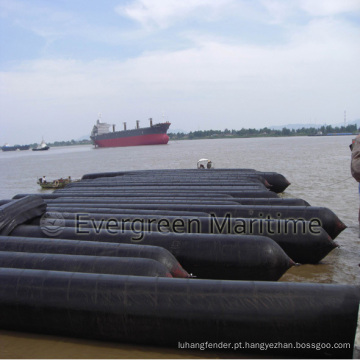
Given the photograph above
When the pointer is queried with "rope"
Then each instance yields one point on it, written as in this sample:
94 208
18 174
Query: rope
338 182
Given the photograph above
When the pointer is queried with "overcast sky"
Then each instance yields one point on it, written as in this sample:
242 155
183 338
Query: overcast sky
200 64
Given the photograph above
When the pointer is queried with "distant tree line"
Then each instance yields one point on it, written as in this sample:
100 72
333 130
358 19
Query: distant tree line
264 132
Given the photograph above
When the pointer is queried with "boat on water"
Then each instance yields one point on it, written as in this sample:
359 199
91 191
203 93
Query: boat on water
54 184
155 134
42 147
7 147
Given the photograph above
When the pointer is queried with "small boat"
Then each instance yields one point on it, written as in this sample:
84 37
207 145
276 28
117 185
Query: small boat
205 164
41 147
54 184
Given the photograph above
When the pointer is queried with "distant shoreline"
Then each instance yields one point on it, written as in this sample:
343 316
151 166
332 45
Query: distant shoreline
257 136
237 134
265 132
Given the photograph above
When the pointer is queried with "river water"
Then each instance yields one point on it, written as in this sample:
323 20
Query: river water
317 167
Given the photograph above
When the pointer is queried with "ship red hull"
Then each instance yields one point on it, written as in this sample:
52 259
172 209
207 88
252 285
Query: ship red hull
149 139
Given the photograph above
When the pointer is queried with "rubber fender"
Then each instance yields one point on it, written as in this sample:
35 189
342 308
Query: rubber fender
129 196
72 247
117 182
271 201
144 200
226 189
176 177
165 184
169 312
277 181
179 200
19 211
128 210
83 263
325 217
181 192
302 242
231 257
142 172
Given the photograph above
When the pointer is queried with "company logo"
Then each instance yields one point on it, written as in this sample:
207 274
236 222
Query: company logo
52 223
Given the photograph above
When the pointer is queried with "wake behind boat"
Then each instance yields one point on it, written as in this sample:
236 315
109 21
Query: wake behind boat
152 135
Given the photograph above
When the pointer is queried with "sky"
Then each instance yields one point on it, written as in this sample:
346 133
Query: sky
200 64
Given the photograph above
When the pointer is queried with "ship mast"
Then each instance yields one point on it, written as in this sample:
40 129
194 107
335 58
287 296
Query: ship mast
345 119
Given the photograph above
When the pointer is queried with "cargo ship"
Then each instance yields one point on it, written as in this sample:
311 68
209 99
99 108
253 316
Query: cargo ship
7 147
155 134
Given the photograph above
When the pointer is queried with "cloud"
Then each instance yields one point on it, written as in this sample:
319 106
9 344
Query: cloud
213 84
210 80
329 7
51 23
162 14
41 19
299 11
278 11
